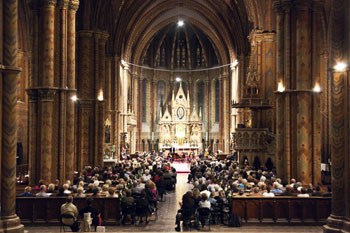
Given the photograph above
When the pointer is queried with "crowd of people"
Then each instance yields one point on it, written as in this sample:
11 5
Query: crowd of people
139 183
216 183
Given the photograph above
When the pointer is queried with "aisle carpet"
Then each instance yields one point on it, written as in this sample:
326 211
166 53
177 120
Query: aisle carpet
181 167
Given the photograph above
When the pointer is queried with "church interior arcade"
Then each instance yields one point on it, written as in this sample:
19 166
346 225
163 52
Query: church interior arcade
87 81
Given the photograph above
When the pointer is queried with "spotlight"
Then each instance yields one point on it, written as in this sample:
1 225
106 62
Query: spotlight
178 79
340 66
180 23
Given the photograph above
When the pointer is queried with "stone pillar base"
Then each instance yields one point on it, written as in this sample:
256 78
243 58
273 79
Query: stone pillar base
334 224
12 225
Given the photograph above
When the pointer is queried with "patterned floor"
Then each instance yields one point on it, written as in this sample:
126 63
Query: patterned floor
166 219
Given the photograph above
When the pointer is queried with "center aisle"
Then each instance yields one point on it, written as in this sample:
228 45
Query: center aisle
166 210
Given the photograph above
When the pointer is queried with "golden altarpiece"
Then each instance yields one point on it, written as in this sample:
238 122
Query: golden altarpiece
181 128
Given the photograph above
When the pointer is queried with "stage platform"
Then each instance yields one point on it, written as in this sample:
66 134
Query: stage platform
181 167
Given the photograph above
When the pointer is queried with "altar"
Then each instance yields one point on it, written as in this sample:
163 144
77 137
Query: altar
179 126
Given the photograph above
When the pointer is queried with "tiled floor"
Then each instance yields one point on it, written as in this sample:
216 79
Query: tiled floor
166 219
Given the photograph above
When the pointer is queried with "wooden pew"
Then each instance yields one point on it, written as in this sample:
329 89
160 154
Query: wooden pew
47 210
311 210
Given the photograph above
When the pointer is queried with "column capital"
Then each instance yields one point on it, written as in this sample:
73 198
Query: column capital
42 93
48 3
73 5
33 94
62 4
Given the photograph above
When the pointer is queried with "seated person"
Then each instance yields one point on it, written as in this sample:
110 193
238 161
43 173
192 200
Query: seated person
187 209
203 204
95 215
43 192
317 192
70 209
268 193
27 192
127 206
303 193
142 206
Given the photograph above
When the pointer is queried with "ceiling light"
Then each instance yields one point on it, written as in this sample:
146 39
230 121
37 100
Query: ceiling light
178 79
180 23
340 66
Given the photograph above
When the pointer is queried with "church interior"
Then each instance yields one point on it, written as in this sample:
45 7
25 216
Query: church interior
95 82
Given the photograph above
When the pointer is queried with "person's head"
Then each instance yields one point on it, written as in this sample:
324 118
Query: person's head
204 197
43 188
69 199
51 187
317 188
105 188
27 189
196 193
80 190
256 189
94 191
303 190
128 193
111 191
66 186
289 188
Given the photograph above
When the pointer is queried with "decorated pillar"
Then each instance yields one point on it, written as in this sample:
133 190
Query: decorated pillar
339 148
279 98
86 96
116 105
139 114
61 19
226 112
47 91
9 222
303 82
70 103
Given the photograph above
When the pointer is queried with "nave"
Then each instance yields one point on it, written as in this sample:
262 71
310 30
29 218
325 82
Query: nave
166 218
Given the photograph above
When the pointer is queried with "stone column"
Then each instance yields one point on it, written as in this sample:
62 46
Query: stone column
9 222
221 114
279 97
61 49
47 92
86 96
303 82
70 109
226 113
207 89
116 104
139 114
339 148
100 76
286 83
33 142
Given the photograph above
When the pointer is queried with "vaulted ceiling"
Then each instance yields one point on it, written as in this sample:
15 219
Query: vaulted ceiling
132 24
